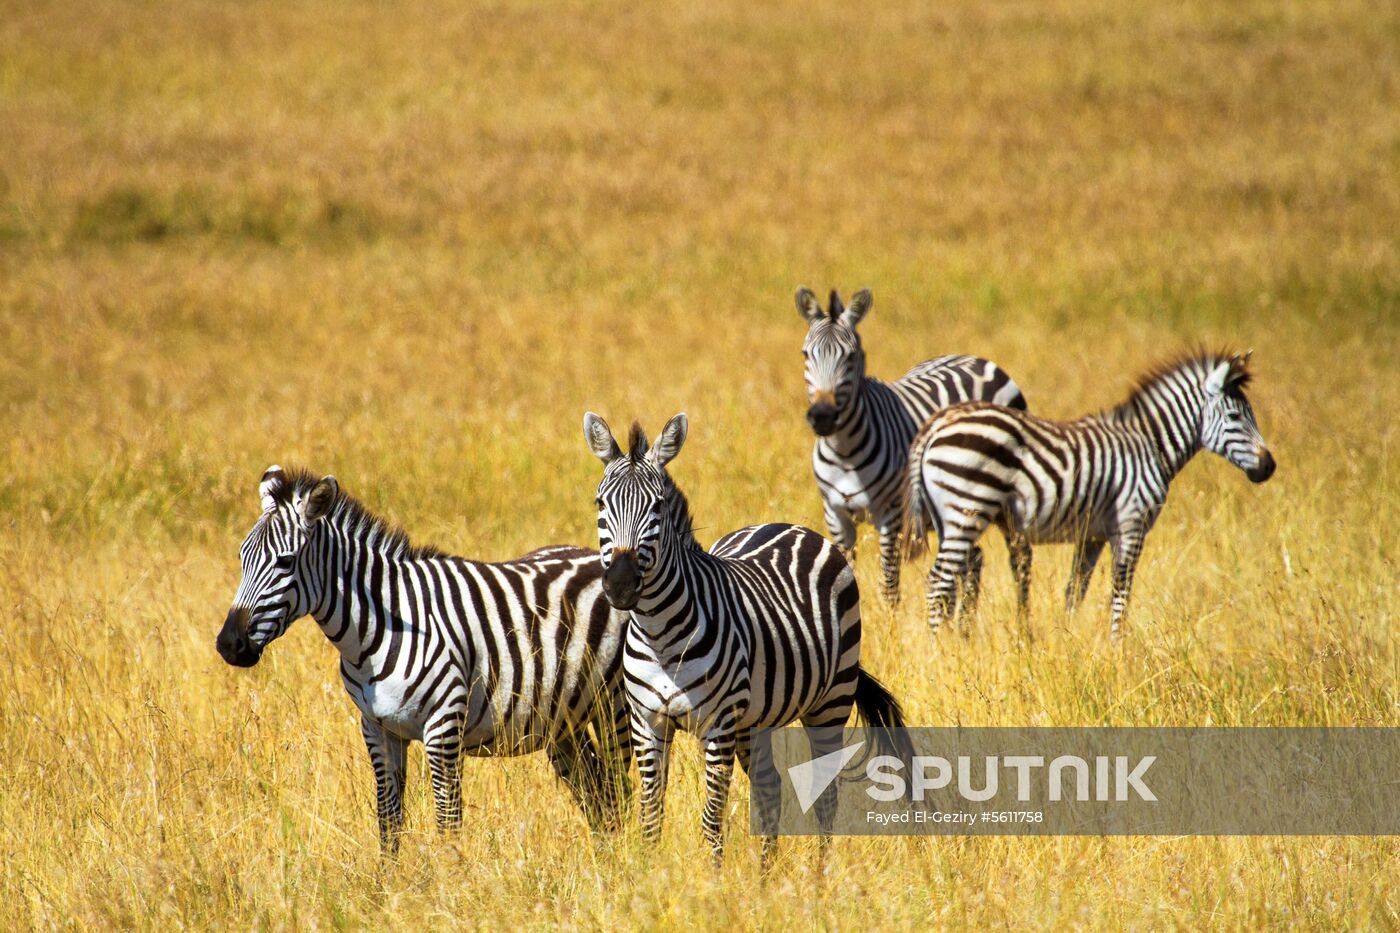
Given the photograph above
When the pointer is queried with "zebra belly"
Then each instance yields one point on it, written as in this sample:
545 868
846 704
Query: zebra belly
1050 525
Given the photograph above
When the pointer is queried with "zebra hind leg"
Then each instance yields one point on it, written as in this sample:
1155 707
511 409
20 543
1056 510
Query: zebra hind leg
969 590
954 558
1086 555
1019 550
825 740
890 561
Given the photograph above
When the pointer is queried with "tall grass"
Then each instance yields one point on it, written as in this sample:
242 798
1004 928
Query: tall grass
411 244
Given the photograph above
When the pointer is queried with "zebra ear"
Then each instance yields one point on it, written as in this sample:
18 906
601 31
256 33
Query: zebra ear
319 500
599 438
271 481
859 307
669 441
807 305
1215 382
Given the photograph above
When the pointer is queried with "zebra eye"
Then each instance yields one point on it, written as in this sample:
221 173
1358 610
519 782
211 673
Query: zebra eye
1233 416
285 561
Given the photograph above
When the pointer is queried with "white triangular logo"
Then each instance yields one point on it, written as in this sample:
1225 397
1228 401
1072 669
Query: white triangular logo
811 778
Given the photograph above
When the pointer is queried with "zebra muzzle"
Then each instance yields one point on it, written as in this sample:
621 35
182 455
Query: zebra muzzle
622 580
822 417
234 645
1264 470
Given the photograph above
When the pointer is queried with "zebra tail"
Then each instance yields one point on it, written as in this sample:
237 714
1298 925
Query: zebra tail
885 719
883 715
918 511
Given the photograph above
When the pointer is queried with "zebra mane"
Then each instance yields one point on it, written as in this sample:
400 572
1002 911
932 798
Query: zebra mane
636 442
353 515
681 519
1199 360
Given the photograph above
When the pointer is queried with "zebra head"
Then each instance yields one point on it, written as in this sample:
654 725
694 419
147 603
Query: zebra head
834 359
1228 427
634 503
279 583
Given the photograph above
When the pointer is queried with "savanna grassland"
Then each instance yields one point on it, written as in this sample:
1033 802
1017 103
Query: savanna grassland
411 243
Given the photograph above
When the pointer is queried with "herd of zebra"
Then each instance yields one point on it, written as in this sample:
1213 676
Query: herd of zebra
596 657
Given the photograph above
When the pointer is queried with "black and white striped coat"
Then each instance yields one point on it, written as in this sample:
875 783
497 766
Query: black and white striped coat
1100 480
864 425
469 658
761 631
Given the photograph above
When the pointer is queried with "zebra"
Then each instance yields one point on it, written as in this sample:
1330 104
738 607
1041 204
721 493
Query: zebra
1099 480
468 658
761 631
864 426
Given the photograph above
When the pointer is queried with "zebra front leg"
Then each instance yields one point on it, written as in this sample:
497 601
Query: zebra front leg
577 762
1127 548
442 740
652 747
611 722
719 770
755 754
889 530
841 525
1086 555
387 754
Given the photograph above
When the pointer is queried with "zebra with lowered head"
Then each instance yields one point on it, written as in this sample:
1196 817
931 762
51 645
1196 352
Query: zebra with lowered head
469 658
760 631
864 426
1099 480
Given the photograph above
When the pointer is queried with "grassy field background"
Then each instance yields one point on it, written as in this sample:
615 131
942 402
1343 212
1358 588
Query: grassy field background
411 243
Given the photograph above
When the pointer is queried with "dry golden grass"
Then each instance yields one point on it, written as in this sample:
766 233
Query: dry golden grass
412 243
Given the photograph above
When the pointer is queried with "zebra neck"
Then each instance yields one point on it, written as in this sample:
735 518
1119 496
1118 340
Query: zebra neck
852 432
667 602
365 574
1169 416
669 612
